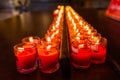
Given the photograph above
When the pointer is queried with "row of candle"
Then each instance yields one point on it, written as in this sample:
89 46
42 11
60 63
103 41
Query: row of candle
86 44
34 52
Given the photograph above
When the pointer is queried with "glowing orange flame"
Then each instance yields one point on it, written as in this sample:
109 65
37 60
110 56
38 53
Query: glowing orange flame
48 47
31 39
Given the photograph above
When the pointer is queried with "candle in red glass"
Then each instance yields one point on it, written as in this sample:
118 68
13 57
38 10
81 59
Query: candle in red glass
25 58
82 58
99 52
100 55
55 13
31 39
49 59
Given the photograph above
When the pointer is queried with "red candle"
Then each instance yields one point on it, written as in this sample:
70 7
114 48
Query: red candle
81 56
26 58
55 13
99 55
49 59
31 40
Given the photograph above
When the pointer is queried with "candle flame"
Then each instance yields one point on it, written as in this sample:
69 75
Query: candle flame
81 45
21 49
97 42
81 22
52 36
78 38
48 39
89 31
31 39
48 47
86 27
76 16
78 34
77 31
57 31
53 28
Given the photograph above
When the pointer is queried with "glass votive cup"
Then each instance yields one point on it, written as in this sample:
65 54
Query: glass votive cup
31 40
82 57
48 58
25 58
99 50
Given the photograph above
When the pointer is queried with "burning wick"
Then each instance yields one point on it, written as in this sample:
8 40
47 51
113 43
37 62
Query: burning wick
81 45
52 36
48 39
31 39
81 23
48 47
53 28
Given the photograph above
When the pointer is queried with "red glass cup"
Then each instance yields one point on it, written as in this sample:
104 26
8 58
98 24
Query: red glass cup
48 58
25 58
31 39
81 56
98 55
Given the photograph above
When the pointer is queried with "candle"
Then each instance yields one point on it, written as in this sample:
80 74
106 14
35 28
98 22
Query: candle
53 42
31 40
49 59
99 56
81 59
55 13
99 51
25 58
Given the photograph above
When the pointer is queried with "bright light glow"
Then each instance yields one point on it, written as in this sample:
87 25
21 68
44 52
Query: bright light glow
48 39
48 47
31 39
20 49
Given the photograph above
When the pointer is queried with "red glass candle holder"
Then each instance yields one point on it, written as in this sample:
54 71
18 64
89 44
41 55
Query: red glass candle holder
25 58
31 40
81 56
48 58
98 55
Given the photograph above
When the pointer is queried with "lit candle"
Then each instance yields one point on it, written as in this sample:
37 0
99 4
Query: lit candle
26 58
55 13
81 60
31 40
98 53
49 59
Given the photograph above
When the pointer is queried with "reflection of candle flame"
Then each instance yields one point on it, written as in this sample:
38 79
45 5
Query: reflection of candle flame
31 39
48 47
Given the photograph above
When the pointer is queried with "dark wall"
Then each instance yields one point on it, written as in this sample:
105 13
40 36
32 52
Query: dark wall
90 3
